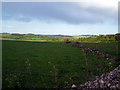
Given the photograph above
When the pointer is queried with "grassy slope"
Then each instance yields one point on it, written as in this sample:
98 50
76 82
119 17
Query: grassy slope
68 61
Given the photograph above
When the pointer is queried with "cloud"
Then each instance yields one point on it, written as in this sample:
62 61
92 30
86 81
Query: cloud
72 13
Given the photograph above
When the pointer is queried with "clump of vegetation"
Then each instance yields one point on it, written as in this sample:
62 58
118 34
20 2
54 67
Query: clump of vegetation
17 79
14 80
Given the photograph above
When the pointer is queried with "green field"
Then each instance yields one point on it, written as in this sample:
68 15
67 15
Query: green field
112 48
53 64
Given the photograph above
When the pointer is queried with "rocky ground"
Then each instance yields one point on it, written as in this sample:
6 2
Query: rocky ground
109 80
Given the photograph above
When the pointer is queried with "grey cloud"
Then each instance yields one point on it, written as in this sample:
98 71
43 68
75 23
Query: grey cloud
61 11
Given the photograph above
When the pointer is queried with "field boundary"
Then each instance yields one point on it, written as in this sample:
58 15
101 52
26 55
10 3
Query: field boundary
44 74
97 52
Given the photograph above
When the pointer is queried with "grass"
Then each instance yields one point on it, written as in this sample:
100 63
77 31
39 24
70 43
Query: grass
53 63
110 48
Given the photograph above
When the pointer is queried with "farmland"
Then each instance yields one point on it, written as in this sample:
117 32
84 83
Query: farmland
52 64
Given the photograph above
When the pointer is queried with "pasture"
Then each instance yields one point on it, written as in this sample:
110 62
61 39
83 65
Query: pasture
111 48
50 64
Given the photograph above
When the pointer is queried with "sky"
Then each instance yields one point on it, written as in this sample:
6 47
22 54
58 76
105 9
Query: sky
66 18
